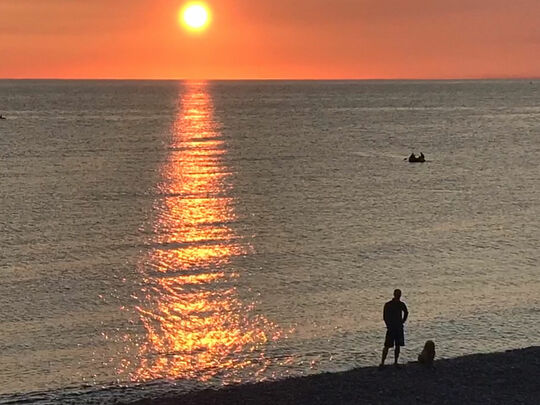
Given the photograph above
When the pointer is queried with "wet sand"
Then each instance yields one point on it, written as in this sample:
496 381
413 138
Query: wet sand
511 377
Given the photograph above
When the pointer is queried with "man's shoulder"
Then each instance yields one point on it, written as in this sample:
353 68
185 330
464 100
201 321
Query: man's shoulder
394 304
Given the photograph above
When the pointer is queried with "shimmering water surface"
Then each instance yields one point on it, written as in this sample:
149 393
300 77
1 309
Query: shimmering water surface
160 236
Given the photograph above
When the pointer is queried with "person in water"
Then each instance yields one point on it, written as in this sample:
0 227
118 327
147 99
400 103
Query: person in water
412 157
421 157
395 314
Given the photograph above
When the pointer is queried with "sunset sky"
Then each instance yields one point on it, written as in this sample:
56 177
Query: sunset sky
251 39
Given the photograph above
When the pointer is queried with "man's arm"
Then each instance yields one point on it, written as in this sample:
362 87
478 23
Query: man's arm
405 312
385 314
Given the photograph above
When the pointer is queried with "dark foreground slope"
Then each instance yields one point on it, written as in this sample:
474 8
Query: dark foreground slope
512 377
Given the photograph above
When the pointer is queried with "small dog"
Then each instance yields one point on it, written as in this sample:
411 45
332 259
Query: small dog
428 354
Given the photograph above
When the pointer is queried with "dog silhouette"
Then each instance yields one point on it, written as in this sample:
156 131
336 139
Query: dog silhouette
428 353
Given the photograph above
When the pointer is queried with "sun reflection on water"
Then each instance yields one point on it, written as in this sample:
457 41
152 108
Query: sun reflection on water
197 326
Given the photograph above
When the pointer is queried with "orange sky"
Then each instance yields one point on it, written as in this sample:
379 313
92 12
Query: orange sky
251 39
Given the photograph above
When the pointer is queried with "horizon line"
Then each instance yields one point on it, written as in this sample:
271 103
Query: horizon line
468 78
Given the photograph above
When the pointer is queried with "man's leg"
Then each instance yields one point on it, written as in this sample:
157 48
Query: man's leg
384 354
396 353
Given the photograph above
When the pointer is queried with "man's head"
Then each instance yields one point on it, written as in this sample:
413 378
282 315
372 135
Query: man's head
397 294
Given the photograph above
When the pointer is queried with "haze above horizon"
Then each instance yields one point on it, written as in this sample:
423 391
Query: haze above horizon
307 39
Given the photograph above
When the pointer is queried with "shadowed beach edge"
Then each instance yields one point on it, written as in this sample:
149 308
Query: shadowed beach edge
509 377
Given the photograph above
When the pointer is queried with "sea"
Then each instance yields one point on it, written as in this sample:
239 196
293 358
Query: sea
160 237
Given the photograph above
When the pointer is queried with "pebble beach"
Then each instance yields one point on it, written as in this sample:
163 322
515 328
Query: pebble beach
510 377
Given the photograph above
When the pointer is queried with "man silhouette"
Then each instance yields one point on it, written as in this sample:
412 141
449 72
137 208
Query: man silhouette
395 314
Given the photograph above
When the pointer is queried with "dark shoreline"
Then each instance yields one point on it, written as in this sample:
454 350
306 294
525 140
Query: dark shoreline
511 377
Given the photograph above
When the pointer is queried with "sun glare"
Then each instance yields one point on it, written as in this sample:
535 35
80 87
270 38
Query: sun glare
195 16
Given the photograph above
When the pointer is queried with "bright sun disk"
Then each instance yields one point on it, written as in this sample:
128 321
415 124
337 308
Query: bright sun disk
195 16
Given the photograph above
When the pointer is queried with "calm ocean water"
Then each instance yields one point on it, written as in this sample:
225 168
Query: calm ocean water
160 236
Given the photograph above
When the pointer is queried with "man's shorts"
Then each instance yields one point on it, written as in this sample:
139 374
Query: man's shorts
394 337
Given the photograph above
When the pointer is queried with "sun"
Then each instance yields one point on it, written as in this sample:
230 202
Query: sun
195 16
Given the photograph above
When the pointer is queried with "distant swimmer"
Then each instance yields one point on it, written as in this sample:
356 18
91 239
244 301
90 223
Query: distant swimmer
2 117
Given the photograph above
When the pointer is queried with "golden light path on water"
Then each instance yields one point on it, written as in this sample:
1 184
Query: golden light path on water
197 327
